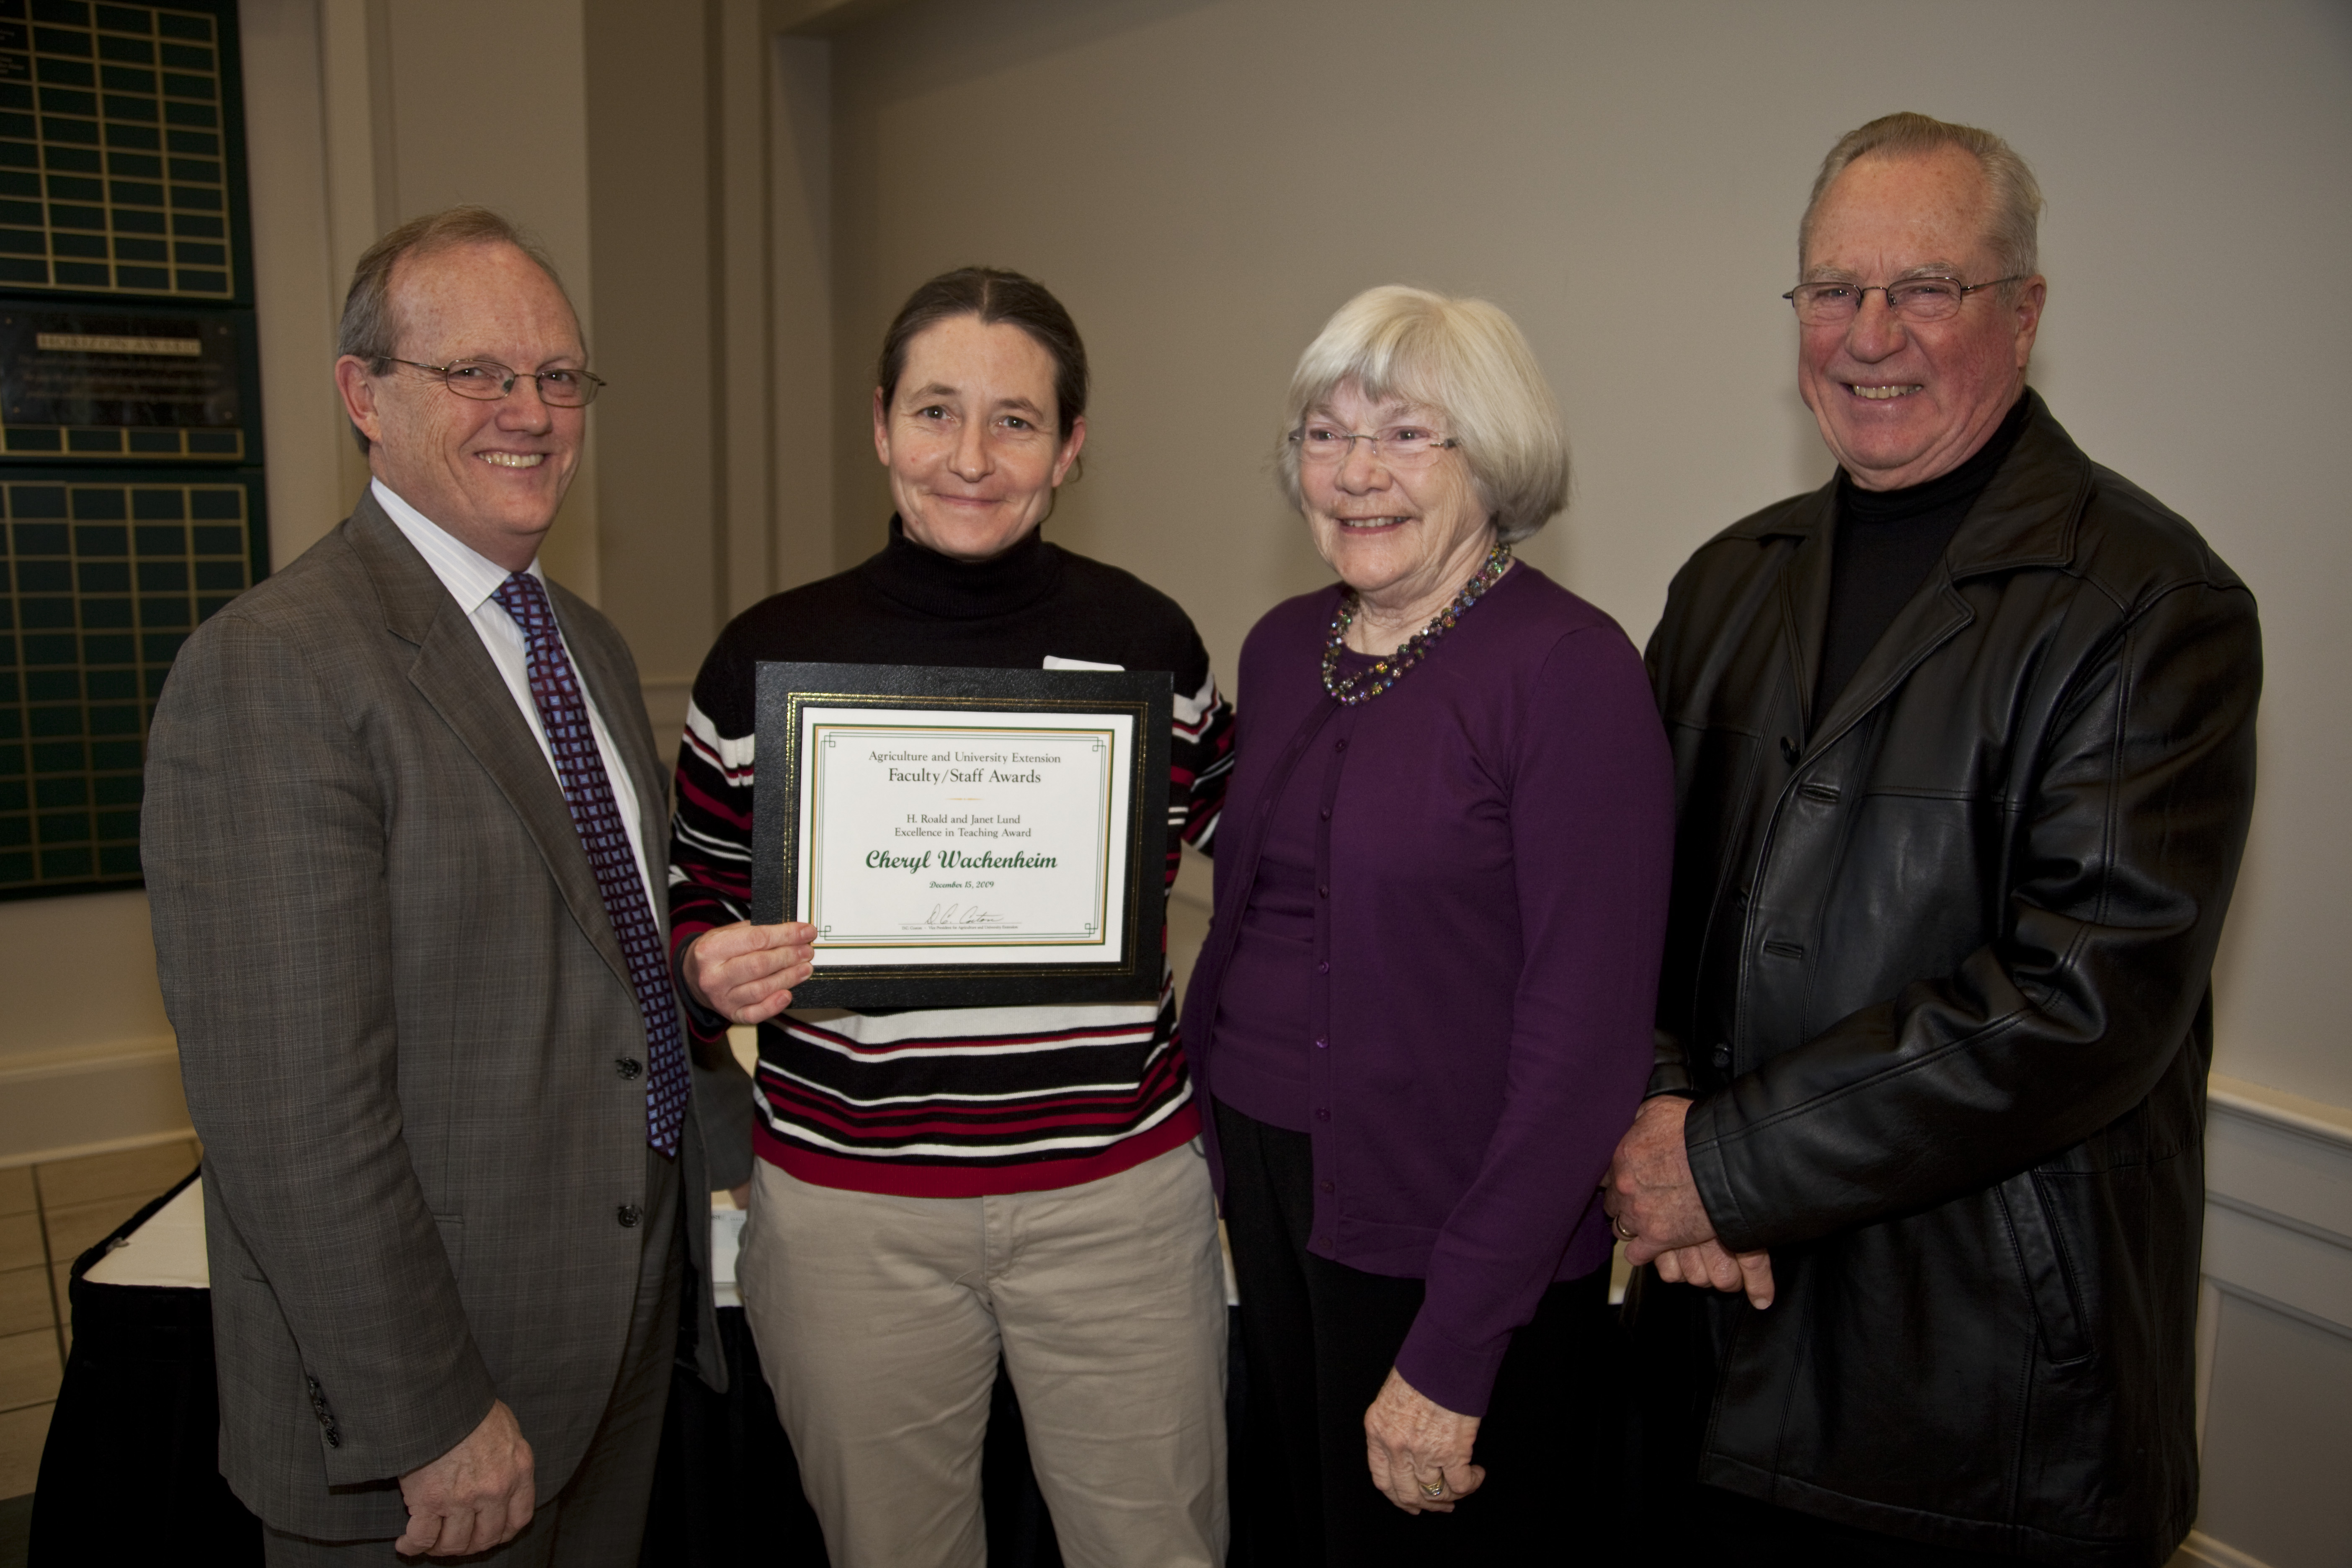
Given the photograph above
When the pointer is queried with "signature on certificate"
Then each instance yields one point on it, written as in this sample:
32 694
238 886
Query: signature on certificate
964 917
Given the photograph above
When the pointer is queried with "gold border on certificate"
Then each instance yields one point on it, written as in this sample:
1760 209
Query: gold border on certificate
823 736
980 922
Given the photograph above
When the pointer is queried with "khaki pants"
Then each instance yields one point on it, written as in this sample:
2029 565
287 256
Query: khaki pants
879 1321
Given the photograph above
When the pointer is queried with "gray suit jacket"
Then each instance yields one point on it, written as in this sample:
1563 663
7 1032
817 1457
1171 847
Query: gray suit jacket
401 1011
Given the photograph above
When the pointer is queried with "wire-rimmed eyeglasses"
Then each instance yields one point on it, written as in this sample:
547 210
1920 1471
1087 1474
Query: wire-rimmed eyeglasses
1913 298
487 381
1400 445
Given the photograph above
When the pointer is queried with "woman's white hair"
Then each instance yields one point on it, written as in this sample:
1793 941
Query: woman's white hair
1461 360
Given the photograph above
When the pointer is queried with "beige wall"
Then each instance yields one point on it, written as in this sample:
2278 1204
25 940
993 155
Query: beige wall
1202 181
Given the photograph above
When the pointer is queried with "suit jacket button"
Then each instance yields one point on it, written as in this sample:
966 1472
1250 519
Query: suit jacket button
1723 1056
629 1214
628 1066
1788 753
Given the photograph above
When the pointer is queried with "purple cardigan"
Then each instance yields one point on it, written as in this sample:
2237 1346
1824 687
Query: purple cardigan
1499 834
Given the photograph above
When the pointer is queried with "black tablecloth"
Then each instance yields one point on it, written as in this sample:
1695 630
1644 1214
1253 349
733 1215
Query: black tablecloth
130 1472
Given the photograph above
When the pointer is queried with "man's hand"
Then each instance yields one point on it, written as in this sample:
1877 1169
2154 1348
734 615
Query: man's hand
1413 1445
475 1497
1654 1208
1709 1265
745 972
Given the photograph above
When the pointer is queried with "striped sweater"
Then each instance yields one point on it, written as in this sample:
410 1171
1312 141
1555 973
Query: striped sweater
963 1101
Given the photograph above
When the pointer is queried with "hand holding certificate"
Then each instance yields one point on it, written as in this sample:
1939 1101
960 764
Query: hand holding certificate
964 837
744 972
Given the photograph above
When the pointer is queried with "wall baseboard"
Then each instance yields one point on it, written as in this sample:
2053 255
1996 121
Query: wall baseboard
97 1101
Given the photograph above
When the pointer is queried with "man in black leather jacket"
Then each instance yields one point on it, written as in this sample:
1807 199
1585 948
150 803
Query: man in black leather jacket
1964 747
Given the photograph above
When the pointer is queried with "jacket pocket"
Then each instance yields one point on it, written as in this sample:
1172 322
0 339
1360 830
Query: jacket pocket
2049 1280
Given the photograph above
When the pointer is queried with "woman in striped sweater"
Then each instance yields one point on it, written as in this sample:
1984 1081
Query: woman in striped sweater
937 1186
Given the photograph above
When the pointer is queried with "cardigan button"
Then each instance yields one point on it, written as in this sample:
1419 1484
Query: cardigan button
1326 814
1323 967
1321 1114
1339 745
1323 1187
1322 1045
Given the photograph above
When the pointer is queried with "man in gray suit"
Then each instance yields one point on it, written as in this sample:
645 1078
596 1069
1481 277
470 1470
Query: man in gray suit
404 841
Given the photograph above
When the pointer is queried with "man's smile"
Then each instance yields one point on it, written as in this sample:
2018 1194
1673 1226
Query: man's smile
512 459
1883 391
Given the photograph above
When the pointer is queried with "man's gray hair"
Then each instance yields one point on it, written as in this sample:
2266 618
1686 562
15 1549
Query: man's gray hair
2012 228
371 326
1463 359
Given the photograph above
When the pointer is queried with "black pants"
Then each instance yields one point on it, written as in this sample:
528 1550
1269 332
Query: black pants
1319 1339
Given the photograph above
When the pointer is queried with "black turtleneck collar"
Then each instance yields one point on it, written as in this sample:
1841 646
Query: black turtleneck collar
1962 485
924 580
1888 542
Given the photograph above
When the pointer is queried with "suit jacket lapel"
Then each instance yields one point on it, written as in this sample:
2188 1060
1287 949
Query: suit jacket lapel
454 673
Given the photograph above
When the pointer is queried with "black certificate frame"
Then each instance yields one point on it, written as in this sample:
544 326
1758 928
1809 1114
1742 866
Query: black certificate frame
787 691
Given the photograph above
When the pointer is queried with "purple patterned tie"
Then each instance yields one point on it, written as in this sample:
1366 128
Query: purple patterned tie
563 712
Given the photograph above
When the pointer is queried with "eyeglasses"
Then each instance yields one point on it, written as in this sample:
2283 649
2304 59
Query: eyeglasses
487 381
1913 298
1399 446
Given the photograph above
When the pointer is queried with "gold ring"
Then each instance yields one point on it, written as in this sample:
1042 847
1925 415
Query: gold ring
1436 1491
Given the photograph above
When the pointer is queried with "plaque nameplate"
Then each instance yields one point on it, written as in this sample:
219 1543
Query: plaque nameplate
108 382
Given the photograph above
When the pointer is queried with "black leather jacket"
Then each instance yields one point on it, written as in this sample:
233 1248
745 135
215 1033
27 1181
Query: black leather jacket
1937 977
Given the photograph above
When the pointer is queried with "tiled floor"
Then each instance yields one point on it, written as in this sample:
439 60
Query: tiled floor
48 1215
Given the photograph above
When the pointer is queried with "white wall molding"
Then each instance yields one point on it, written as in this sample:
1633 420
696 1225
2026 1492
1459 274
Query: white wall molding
2274 1327
60 1105
2237 1097
2278 1211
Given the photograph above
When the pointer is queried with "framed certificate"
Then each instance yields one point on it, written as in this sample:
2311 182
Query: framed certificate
964 837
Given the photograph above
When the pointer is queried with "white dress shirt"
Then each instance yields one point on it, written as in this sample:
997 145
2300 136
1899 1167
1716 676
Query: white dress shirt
471 578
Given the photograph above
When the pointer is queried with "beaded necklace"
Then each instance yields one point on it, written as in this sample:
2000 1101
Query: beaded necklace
1365 685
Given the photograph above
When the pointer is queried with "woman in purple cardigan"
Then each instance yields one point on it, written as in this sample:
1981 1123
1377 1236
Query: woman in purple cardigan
1423 1016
